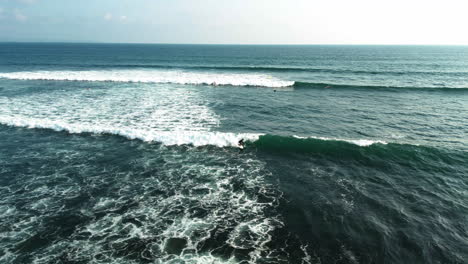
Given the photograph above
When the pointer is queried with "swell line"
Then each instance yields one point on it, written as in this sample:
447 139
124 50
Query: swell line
247 68
318 85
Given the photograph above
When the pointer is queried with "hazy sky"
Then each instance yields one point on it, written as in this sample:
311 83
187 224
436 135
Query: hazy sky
237 21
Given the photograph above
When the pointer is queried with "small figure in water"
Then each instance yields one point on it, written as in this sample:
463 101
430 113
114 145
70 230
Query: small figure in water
241 143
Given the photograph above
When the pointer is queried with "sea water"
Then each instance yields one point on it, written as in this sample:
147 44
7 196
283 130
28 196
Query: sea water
116 153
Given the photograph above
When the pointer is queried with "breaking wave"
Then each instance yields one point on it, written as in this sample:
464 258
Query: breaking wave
154 76
359 150
195 138
184 77
247 68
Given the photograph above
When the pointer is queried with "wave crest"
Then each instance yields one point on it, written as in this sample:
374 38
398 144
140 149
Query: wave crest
181 137
154 76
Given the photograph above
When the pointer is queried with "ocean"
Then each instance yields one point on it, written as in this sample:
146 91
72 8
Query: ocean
127 153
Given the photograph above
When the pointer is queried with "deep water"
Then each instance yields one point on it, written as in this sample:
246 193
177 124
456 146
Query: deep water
115 153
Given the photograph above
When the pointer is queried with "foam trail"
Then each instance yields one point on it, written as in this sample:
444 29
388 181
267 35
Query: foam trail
154 76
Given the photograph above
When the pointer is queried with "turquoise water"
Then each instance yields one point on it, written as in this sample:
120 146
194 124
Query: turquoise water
128 154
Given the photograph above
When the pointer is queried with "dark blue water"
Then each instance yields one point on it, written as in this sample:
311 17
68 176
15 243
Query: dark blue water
128 154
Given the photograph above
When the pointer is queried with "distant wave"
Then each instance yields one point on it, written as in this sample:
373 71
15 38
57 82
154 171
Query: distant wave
195 78
250 68
154 76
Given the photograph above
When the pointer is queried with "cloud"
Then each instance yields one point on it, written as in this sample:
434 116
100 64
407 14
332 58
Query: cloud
19 16
108 16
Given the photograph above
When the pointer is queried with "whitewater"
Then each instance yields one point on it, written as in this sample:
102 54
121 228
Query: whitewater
154 76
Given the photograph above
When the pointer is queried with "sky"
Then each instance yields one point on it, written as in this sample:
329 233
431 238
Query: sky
427 22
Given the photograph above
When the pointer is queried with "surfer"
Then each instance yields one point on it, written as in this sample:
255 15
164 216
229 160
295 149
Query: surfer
241 144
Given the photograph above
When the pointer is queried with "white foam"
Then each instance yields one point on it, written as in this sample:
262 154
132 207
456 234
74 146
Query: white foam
153 76
6 211
195 138
359 142
365 142
170 116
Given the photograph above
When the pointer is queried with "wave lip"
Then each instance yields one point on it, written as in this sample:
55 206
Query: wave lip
359 142
335 147
154 76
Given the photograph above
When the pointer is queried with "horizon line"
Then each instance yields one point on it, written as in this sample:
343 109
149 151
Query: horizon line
226 44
